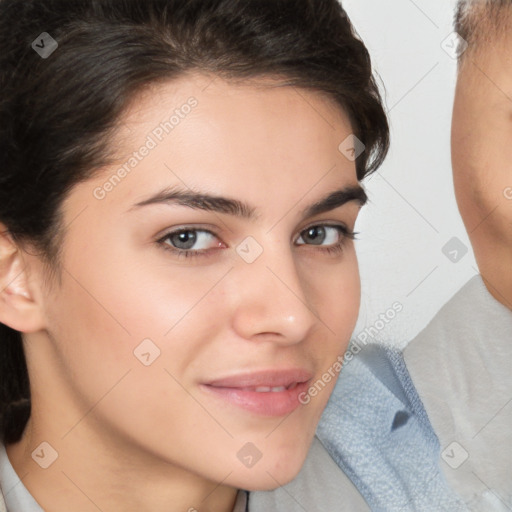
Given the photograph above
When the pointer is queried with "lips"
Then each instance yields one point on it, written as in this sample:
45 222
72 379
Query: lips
267 393
267 378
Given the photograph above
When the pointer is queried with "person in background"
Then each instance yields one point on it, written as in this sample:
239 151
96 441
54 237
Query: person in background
446 403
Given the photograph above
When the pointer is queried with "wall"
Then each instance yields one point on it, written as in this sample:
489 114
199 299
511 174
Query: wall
403 252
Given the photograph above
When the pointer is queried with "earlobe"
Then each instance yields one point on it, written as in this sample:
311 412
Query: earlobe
18 309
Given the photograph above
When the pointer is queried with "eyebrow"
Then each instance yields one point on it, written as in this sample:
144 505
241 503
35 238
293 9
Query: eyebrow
212 203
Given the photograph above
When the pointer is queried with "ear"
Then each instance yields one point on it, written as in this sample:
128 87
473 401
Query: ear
18 309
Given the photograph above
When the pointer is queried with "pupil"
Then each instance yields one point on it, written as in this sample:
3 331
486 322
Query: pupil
313 234
186 237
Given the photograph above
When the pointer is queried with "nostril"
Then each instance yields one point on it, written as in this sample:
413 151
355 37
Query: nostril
401 418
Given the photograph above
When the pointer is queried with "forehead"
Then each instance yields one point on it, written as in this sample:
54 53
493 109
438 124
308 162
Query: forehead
253 122
267 143
214 94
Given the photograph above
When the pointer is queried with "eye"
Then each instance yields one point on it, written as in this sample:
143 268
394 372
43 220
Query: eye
335 236
319 234
194 242
187 242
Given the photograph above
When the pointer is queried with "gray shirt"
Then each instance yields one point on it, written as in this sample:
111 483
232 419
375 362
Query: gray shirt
461 366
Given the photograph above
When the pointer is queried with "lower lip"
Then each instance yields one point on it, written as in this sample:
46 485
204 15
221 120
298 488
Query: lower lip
277 403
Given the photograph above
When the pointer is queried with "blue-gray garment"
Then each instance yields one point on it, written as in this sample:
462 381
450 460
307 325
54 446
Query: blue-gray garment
376 429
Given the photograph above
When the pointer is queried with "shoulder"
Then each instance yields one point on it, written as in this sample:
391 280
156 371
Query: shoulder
373 395
460 365
376 429
467 323
453 352
375 381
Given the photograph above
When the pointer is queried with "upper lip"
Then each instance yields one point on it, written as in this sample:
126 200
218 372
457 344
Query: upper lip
265 378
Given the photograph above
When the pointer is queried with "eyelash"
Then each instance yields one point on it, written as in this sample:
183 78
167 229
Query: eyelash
181 253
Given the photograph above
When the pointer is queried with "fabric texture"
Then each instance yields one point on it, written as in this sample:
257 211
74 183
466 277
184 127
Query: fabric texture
461 365
376 429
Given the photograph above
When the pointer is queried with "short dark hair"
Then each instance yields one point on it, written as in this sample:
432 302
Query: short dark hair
58 114
480 21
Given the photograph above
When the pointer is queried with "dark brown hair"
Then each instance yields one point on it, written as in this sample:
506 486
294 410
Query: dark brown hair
58 114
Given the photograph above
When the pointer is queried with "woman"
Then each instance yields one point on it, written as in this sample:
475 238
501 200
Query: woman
178 194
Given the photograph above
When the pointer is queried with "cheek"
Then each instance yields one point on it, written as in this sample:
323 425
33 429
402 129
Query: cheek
112 316
482 171
481 153
131 300
343 310
345 300
337 293
134 397
342 295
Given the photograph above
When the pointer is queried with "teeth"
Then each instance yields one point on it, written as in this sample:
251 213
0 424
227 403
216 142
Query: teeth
265 389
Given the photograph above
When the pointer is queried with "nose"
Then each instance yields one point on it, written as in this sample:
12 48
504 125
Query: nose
273 301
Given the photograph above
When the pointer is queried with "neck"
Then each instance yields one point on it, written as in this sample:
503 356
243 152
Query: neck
90 475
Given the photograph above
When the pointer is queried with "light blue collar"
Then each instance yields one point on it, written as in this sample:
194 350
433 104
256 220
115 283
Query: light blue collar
16 496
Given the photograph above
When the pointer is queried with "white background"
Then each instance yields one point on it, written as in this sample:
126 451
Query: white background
412 212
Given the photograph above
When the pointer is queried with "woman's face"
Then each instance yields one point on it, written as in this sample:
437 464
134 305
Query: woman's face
188 330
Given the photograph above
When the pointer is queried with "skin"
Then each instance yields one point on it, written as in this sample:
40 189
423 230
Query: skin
482 160
148 438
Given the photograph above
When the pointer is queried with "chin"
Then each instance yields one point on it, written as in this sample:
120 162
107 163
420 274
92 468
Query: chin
274 472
